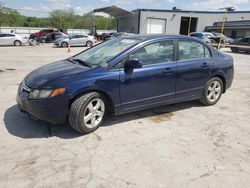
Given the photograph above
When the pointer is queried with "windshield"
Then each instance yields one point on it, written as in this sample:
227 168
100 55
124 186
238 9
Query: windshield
106 51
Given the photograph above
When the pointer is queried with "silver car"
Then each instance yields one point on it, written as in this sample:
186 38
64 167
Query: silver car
11 39
76 40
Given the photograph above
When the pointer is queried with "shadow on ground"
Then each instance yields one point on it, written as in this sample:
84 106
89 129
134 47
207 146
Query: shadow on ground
21 125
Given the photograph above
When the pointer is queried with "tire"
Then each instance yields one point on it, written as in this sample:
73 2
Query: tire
212 92
43 41
17 43
64 44
235 50
89 44
80 116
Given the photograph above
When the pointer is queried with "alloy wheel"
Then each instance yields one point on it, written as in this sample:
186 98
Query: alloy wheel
214 91
93 113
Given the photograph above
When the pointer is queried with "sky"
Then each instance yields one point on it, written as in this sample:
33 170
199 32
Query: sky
41 8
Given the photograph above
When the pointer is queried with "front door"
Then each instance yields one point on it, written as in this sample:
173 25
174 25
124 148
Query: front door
153 83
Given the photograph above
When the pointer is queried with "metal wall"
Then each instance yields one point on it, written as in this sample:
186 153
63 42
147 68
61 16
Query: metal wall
128 23
173 19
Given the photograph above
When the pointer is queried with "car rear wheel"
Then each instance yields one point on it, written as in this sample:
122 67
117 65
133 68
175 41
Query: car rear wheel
89 44
87 112
212 92
43 40
64 44
17 43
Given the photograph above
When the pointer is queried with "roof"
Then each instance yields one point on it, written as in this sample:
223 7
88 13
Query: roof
154 36
228 27
189 11
112 11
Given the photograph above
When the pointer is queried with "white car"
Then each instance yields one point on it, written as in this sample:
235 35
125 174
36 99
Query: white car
76 40
11 39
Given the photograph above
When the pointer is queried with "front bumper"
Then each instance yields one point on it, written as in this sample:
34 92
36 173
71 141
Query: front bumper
53 110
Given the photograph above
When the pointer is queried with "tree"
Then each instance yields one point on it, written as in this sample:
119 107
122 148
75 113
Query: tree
1 13
62 19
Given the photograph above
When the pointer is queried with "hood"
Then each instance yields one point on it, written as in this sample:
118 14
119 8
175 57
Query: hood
54 75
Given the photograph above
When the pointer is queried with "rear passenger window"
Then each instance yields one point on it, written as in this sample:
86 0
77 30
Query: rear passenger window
207 52
159 52
192 50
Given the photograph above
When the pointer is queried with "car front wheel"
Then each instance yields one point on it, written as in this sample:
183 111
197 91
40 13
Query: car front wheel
212 92
87 112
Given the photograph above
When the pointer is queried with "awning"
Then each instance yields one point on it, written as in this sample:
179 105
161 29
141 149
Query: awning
112 11
243 27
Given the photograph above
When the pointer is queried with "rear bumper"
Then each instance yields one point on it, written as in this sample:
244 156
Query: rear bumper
52 110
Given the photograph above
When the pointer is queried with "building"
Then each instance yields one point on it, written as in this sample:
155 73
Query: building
234 29
176 21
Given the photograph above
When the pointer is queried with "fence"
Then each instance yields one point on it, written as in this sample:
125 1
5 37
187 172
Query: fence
26 31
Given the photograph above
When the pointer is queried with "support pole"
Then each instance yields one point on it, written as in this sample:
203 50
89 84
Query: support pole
190 22
223 26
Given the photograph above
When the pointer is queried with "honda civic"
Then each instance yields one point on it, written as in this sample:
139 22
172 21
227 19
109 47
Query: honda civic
124 75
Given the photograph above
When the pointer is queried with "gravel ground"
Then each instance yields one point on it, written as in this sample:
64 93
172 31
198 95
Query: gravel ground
181 145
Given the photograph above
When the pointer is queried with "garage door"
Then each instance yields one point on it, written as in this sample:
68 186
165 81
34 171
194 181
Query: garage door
156 26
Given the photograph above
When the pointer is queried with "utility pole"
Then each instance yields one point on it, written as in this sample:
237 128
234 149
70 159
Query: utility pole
227 9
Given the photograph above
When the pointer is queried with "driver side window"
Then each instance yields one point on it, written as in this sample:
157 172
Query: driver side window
159 52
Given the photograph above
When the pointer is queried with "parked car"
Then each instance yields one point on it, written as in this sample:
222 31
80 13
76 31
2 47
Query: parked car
119 34
76 40
11 39
52 37
206 37
244 42
105 36
43 33
123 75
224 39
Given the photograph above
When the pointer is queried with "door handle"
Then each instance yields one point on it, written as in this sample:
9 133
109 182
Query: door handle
168 71
205 65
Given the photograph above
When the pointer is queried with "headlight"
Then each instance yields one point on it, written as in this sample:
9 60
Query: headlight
45 93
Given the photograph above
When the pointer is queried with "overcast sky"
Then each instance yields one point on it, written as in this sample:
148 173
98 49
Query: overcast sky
83 6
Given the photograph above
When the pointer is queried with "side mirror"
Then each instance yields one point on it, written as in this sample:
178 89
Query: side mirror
130 65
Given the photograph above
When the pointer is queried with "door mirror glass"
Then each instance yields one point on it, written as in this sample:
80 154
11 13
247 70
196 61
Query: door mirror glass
130 65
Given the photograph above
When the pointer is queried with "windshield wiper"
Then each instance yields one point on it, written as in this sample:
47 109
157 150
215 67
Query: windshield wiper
82 62
70 60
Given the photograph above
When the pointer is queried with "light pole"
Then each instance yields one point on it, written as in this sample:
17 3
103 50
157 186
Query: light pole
227 9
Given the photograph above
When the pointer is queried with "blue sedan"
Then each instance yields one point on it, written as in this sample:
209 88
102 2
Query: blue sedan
124 75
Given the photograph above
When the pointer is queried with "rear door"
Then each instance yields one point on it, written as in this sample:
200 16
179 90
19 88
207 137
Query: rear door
82 40
194 67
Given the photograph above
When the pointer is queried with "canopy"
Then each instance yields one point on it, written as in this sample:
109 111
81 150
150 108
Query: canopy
112 11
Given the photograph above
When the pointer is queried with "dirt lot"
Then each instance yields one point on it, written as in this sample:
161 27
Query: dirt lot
182 145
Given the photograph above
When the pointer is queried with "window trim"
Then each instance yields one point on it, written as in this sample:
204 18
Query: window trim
175 46
190 40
